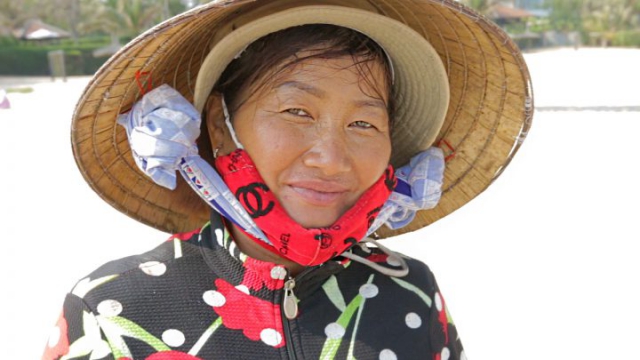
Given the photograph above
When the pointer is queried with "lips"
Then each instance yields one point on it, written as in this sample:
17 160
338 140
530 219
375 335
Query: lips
318 192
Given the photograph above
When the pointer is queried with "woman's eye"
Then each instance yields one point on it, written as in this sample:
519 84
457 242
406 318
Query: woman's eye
362 124
297 112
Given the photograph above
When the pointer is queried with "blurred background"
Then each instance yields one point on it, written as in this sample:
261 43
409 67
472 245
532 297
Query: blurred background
38 36
543 265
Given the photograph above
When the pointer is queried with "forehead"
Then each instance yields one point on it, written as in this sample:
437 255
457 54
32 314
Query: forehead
308 73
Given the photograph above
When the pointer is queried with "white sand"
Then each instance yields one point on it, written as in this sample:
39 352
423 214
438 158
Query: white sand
543 265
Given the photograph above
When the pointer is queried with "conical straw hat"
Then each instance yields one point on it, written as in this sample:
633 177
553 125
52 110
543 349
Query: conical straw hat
489 111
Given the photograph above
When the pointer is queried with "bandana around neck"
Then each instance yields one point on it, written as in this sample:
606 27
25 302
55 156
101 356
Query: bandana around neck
288 238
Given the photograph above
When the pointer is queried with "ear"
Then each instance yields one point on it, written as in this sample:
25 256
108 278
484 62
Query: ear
218 132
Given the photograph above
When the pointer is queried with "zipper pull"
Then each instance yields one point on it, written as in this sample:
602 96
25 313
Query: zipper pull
290 303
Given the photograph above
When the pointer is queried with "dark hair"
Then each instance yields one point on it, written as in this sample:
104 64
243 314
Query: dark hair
281 50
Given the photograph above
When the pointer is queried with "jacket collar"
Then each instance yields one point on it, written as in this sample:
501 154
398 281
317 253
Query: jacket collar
228 262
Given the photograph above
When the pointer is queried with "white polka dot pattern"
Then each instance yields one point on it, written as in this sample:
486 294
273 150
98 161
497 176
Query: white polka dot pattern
271 337
445 354
243 288
153 268
173 337
387 354
214 298
413 320
334 331
438 302
278 273
109 308
368 291
393 261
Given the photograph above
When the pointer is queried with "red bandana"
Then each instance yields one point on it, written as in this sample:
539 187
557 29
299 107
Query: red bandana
290 240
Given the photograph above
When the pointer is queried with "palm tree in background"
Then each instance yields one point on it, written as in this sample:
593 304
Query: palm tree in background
60 13
126 18
133 16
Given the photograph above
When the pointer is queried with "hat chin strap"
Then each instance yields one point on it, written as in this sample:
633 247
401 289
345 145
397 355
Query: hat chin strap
404 268
227 121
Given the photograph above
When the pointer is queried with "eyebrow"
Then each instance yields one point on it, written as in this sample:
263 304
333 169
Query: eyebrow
319 93
304 87
373 102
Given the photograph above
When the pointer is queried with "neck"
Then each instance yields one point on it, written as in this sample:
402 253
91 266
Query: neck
249 247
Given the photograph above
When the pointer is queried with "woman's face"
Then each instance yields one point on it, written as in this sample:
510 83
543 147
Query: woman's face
319 136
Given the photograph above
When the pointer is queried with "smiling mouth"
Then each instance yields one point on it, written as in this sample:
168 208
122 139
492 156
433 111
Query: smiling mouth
319 194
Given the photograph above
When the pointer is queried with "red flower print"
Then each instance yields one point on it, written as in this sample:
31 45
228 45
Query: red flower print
260 273
378 258
258 319
442 316
58 341
172 355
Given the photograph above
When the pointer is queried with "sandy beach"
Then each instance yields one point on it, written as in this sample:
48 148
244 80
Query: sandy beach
542 265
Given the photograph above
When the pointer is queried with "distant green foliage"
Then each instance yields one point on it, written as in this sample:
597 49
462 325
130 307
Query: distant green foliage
7 41
31 59
516 28
566 15
27 61
600 22
627 39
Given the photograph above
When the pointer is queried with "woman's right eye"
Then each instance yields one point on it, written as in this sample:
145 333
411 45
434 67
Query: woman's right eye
297 112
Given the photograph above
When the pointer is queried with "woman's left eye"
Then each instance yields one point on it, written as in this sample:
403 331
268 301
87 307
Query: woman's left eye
362 124
297 112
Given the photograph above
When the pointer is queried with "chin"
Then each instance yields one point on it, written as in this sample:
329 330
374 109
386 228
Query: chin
315 224
316 219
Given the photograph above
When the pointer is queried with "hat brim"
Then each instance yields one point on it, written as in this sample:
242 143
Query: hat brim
489 102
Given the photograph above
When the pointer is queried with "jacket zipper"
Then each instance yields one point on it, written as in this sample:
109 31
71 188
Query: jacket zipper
290 308
288 299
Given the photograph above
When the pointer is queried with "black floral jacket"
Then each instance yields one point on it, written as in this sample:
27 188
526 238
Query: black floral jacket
197 296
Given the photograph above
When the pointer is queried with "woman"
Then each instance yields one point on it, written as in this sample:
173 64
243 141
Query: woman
308 108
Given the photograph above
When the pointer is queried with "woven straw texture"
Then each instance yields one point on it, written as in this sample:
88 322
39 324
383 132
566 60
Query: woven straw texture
490 109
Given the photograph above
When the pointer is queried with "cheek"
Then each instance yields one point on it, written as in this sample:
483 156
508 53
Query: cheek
371 161
274 138
273 148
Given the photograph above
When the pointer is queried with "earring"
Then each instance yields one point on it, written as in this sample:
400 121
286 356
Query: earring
215 152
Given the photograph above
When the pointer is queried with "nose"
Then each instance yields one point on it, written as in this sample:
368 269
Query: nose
329 153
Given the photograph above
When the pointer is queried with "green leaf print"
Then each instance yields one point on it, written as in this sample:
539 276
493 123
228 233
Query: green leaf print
333 292
115 327
177 248
91 343
331 345
85 285
414 289
205 337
